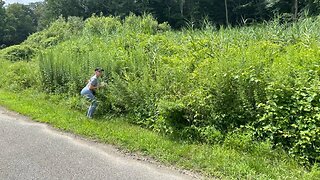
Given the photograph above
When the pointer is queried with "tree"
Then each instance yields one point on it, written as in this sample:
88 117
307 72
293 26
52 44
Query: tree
295 9
166 10
38 9
19 24
2 23
226 10
90 7
311 6
65 8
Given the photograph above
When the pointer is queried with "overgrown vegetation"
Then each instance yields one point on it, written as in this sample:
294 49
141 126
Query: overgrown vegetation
237 158
17 21
260 83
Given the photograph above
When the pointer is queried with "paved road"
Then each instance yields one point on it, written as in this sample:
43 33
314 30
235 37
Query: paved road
30 150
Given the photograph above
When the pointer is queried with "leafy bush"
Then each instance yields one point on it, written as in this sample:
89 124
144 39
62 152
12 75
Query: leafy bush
18 53
101 26
145 24
59 31
20 75
291 118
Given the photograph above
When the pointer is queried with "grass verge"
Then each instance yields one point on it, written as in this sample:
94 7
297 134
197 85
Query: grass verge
219 161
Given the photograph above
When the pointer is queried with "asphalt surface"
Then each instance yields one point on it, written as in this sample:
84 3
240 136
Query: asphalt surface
30 150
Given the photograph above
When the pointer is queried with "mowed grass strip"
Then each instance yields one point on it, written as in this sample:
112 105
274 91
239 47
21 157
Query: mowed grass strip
212 161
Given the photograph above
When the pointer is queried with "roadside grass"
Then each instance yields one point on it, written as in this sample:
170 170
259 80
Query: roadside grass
212 161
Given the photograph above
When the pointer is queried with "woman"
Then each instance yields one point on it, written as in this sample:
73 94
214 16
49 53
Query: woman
89 91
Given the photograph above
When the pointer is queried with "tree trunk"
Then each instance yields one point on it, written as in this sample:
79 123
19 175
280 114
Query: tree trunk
226 10
181 7
295 9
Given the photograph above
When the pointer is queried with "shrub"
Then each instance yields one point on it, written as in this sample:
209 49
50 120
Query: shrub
59 31
101 26
21 75
145 24
291 120
18 53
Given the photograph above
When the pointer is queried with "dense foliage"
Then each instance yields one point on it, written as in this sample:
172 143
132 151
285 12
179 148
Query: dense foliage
201 85
17 21
180 12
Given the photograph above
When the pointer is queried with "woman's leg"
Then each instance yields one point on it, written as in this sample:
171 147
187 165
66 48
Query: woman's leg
92 99
92 107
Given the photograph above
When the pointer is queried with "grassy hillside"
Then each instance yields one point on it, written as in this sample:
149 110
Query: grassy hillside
237 88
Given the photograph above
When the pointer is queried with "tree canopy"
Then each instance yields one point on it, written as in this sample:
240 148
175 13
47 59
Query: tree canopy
17 22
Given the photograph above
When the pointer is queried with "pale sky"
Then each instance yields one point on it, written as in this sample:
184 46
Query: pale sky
20 1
